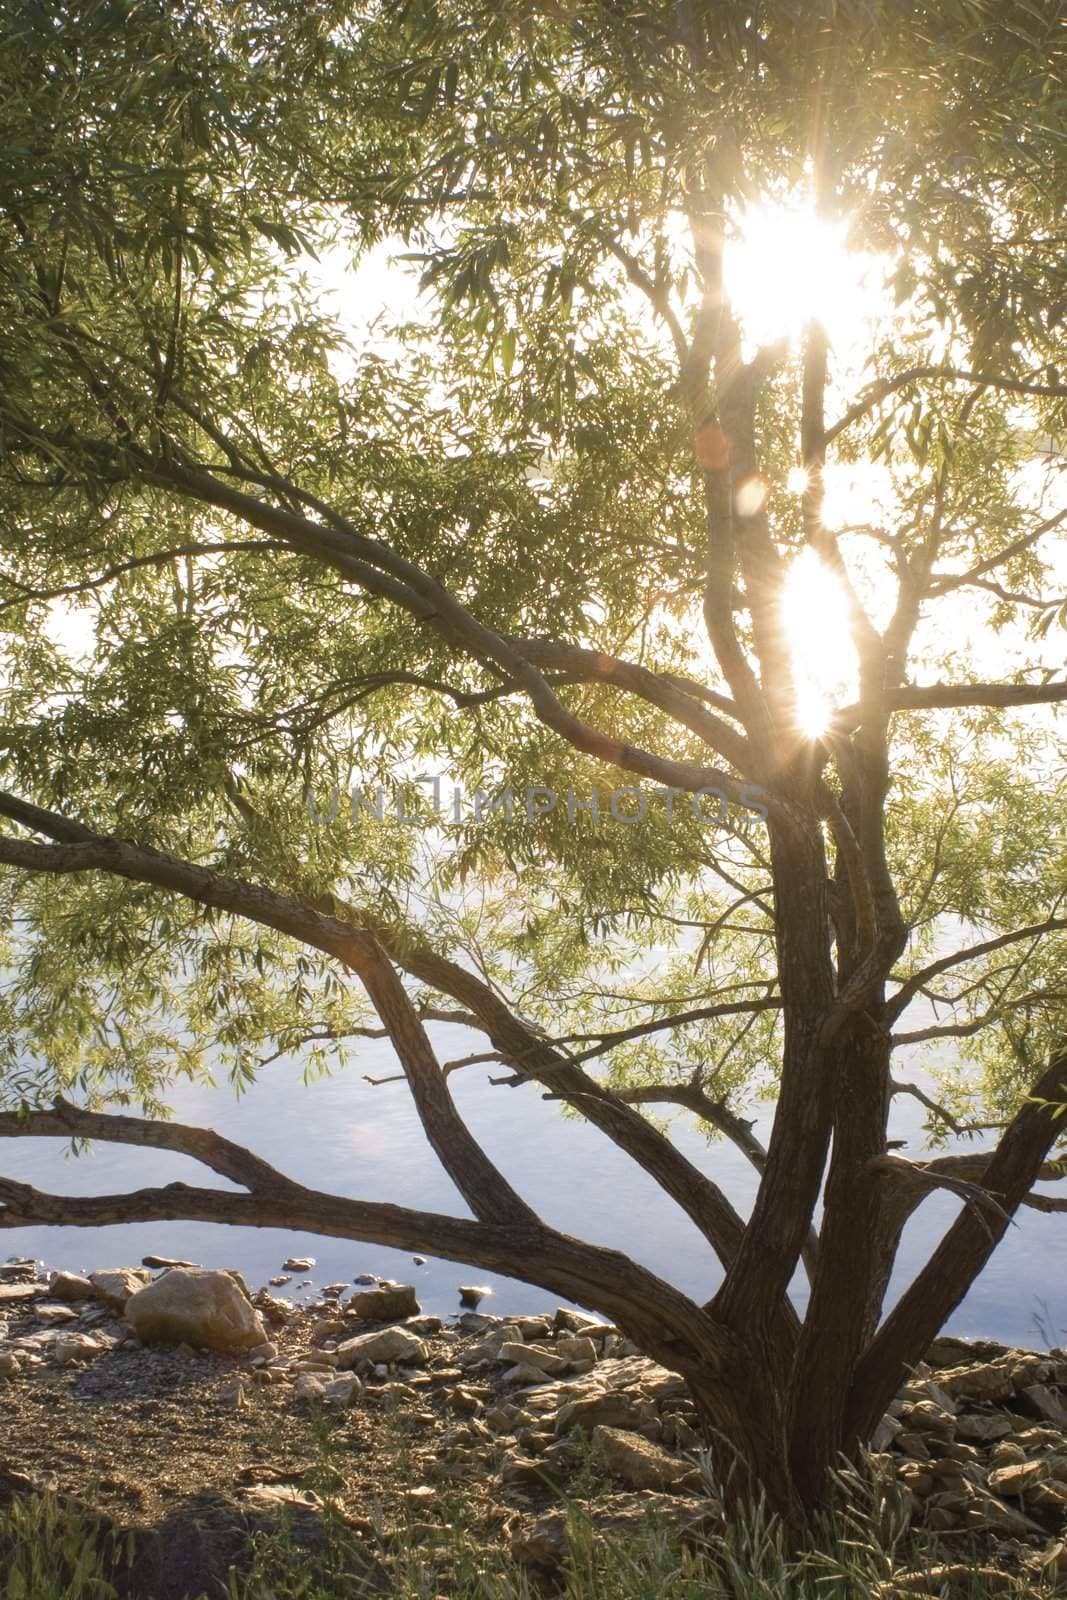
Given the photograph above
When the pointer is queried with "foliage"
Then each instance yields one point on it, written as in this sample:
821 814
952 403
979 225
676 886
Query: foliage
537 533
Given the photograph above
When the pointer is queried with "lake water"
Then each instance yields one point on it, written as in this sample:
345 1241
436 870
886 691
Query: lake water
345 1135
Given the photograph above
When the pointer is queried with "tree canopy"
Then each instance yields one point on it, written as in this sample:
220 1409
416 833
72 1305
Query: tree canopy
700 599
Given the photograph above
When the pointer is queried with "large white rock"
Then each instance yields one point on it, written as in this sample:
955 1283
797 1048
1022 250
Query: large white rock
195 1307
391 1344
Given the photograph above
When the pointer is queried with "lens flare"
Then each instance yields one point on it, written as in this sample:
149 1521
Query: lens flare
815 617
787 267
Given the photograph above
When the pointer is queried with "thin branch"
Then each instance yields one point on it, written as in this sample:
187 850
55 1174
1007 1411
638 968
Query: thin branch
946 583
884 387
666 692
897 1086
908 990
218 547
681 1019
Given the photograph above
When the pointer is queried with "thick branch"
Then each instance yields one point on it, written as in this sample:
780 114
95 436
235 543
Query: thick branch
667 1323
592 666
717 1114
702 1200
1008 1178
484 1188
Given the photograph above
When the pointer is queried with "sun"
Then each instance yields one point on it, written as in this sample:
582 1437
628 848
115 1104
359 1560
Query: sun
815 617
786 266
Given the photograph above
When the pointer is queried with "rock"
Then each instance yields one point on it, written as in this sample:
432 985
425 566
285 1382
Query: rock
950 1351
1041 1401
282 1494
342 1390
264 1352
885 1432
115 1285
919 1482
420 1261
471 1295
425 1327
1048 1497
992 1381
1016 1478
636 1462
464 1400
19 1293
279 1281
1051 1563
365 1277
166 1261
233 1393
940 1396
47 1312
477 1322
277 1312
487 1349
385 1304
984 1426
567 1321
929 1418
523 1374
574 1348
16 1268
70 1287
618 1410
239 1280
989 1511
9 1364
541 1541
516 1469
298 1264
309 1387
531 1355
72 1347
527 1327
199 1307
321 1361
389 1344
330 1329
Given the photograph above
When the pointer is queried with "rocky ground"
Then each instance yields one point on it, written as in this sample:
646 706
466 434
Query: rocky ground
401 1420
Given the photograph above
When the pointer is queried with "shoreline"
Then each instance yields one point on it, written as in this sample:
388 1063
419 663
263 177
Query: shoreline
403 1414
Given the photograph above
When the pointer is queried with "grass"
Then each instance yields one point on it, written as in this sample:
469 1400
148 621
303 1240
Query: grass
48 1552
749 1560
862 1551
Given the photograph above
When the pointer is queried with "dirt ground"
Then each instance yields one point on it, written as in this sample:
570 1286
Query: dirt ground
149 1438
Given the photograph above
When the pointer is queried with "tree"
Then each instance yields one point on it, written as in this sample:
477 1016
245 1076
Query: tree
545 541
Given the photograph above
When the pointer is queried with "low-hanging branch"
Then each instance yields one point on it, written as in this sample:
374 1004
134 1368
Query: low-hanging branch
524 1247
363 946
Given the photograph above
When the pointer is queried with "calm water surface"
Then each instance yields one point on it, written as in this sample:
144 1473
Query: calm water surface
345 1135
